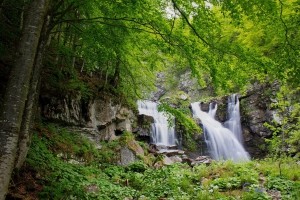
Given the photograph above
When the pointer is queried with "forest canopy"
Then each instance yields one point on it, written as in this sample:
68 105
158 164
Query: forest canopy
225 43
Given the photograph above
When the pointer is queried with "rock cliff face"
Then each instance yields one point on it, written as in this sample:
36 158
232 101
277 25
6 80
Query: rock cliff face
104 118
64 109
255 112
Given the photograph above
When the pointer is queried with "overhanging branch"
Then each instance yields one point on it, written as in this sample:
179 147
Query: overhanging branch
189 24
285 26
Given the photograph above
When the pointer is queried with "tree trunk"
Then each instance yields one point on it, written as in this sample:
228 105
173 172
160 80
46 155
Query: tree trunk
28 116
17 91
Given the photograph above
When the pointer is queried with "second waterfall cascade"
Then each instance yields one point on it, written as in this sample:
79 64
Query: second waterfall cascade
161 132
223 143
233 122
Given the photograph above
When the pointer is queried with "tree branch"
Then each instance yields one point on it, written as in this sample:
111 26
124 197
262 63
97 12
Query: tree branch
285 26
189 24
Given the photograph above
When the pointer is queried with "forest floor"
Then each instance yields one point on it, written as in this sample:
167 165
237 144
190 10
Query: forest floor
65 165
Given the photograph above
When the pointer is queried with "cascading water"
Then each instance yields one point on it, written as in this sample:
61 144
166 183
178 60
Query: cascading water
233 122
161 132
221 142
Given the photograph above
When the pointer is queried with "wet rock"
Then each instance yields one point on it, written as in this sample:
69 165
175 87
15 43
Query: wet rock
221 110
170 152
161 147
176 159
201 160
247 135
144 125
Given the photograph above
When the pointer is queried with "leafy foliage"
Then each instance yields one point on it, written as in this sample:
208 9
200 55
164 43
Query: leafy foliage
289 189
99 179
186 121
223 43
286 129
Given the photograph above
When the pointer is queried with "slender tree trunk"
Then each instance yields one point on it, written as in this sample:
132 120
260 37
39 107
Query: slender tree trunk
28 116
17 91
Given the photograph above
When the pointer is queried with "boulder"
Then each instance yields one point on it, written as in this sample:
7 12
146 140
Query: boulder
167 161
135 147
126 156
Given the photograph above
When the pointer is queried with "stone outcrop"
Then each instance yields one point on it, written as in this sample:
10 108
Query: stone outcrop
101 117
67 110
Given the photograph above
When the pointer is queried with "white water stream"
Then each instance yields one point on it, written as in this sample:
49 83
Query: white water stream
222 142
233 122
161 132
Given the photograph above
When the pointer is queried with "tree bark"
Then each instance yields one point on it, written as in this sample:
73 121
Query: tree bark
17 91
28 116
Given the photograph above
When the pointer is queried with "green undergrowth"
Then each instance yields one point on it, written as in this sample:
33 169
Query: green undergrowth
97 176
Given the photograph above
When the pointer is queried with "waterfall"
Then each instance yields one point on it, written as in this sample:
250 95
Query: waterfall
221 142
161 132
233 122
